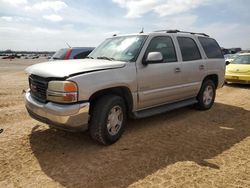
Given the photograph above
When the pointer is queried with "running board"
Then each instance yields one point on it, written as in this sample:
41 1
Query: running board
164 108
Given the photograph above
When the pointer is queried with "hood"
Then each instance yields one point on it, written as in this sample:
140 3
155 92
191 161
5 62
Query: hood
65 68
238 68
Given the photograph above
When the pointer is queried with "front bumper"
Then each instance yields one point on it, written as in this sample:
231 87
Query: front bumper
237 78
72 117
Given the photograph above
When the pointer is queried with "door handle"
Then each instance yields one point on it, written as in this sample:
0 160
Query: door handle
177 69
201 67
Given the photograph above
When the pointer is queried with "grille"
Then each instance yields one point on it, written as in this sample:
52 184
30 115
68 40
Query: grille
38 87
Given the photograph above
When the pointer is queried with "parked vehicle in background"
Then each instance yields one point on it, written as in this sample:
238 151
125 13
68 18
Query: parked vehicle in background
35 56
9 57
238 71
72 53
13 56
229 58
243 51
31 56
230 50
136 76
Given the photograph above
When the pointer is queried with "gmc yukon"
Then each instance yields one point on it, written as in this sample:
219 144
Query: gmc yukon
136 76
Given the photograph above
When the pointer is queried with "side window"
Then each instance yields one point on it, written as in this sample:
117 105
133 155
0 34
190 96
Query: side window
189 49
211 48
82 55
164 45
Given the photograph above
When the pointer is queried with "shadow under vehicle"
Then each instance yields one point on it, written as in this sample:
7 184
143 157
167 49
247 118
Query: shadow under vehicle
150 144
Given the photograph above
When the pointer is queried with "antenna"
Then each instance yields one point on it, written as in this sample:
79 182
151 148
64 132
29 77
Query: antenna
142 30
68 45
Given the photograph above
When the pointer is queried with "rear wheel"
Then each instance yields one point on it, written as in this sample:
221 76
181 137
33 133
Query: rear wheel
206 95
108 119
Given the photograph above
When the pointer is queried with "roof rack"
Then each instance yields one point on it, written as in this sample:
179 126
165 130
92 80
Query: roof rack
178 31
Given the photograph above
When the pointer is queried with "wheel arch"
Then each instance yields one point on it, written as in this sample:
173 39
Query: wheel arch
213 77
121 91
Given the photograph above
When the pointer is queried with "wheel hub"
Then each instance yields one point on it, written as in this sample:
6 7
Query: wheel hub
208 95
115 119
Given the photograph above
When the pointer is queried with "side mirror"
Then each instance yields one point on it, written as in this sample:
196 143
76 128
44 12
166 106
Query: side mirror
227 62
153 57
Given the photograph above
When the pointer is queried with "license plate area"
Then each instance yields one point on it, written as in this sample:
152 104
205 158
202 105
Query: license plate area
235 77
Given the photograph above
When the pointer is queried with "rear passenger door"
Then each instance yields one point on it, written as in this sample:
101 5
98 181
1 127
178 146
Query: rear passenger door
193 66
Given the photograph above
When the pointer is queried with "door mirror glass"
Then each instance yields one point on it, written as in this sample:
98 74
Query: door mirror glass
154 57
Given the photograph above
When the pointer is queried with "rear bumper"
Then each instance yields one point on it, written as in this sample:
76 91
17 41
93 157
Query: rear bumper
67 117
237 78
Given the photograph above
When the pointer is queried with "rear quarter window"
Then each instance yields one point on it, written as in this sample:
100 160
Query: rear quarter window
211 48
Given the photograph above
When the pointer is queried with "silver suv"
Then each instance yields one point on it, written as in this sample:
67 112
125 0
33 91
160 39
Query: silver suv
137 76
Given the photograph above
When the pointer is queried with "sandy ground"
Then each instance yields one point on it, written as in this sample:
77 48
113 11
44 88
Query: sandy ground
183 148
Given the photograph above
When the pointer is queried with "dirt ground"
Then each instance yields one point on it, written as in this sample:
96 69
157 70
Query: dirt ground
183 148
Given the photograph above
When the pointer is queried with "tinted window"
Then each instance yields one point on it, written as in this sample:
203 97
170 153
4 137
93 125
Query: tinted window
189 49
211 47
82 55
165 46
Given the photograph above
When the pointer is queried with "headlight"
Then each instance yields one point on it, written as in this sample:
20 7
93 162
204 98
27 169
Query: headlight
62 91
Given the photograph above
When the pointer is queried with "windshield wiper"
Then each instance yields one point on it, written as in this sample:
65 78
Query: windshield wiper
107 58
88 57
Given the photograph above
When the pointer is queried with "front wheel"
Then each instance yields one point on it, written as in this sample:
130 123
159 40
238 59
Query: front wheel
108 119
206 95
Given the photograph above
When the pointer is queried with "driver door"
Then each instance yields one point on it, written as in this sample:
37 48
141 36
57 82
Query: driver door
159 83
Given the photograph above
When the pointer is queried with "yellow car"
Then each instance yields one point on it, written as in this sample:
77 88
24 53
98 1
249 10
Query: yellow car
238 71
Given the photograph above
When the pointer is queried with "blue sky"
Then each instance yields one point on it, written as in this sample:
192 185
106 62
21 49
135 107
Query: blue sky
48 25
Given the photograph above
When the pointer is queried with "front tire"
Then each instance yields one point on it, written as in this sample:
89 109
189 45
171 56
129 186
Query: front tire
107 121
206 95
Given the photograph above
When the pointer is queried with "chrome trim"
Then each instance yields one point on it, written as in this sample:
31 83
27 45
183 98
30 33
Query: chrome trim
62 116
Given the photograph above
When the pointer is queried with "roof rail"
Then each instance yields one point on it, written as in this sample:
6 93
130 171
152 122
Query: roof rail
178 31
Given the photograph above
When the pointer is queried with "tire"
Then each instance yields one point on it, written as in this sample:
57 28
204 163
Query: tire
205 100
106 126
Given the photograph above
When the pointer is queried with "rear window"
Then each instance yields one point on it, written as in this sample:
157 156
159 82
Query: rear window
60 54
211 48
189 49
82 55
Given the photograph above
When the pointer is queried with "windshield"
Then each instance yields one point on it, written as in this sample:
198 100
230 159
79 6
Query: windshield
230 56
242 59
124 48
60 54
